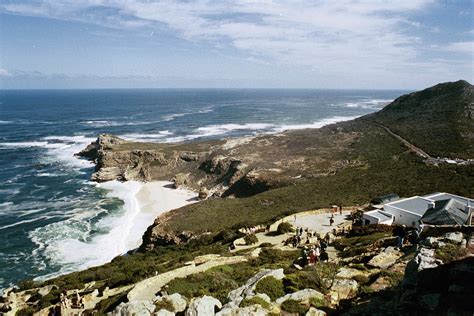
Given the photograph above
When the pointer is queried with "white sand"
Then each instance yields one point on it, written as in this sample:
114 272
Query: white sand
154 199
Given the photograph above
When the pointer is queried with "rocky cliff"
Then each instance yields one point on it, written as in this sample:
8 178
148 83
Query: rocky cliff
233 167
349 163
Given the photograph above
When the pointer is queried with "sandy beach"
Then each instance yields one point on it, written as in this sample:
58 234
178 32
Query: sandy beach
154 199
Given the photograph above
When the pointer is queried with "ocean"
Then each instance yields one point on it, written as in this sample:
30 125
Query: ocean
53 220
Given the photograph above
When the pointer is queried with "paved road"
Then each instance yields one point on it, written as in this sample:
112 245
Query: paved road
320 222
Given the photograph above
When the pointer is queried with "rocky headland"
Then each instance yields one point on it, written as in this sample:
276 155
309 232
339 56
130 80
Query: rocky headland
190 261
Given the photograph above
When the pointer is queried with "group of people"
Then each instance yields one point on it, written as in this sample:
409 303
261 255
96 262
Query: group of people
317 252
402 233
297 239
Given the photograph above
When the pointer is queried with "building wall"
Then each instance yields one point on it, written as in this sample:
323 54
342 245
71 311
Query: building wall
401 217
367 219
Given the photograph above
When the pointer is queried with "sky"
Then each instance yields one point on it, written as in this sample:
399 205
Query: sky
338 44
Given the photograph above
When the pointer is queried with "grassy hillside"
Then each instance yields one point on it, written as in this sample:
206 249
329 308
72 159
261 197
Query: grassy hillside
439 119
385 166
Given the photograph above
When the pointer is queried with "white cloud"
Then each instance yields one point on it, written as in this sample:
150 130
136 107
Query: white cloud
4 73
461 47
337 38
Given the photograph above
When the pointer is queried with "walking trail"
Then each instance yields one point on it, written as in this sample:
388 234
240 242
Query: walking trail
317 221
417 150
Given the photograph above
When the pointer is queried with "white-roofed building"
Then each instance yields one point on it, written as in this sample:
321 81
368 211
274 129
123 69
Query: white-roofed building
410 210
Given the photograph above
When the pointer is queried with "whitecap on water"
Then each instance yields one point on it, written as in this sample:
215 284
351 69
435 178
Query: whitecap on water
318 124
369 104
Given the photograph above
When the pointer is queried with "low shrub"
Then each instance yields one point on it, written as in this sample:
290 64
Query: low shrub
275 258
284 228
165 304
255 300
353 246
449 253
266 245
394 278
318 302
227 235
28 311
270 286
291 283
27 284
292 306
318 277
250 239
369 230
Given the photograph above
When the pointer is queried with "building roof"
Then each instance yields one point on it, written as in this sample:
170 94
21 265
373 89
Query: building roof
446 212
385 199
446 196
382 217
417 205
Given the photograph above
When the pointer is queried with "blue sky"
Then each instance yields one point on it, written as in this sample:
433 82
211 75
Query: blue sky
405 44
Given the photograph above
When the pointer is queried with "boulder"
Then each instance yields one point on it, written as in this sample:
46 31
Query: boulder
425 259
349 273
203 193
180 179
189 156
137 308
302 296
380 284
385 259
164 312
315 312
344 288
454 237
43 291
203 306
236 296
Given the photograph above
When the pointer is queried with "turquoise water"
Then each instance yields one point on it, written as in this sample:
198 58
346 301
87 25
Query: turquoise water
53 220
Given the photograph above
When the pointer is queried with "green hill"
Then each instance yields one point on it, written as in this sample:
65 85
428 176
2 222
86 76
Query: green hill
439 119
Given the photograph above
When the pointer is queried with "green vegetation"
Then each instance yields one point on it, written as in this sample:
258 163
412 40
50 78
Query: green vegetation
255 300
373 149
219 281
270 286
353 246
125 270
395 278
216 282
292 306
317 302
436 119
250 239
25 312
164 304
450 252
284 228
369 230
318 277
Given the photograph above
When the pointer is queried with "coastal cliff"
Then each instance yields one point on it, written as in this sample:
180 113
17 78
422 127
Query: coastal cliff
262 181
348 162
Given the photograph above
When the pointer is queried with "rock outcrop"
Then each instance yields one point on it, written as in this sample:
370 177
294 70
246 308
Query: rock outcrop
203 306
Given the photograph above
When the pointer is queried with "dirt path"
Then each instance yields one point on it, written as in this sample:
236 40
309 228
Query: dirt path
417 150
